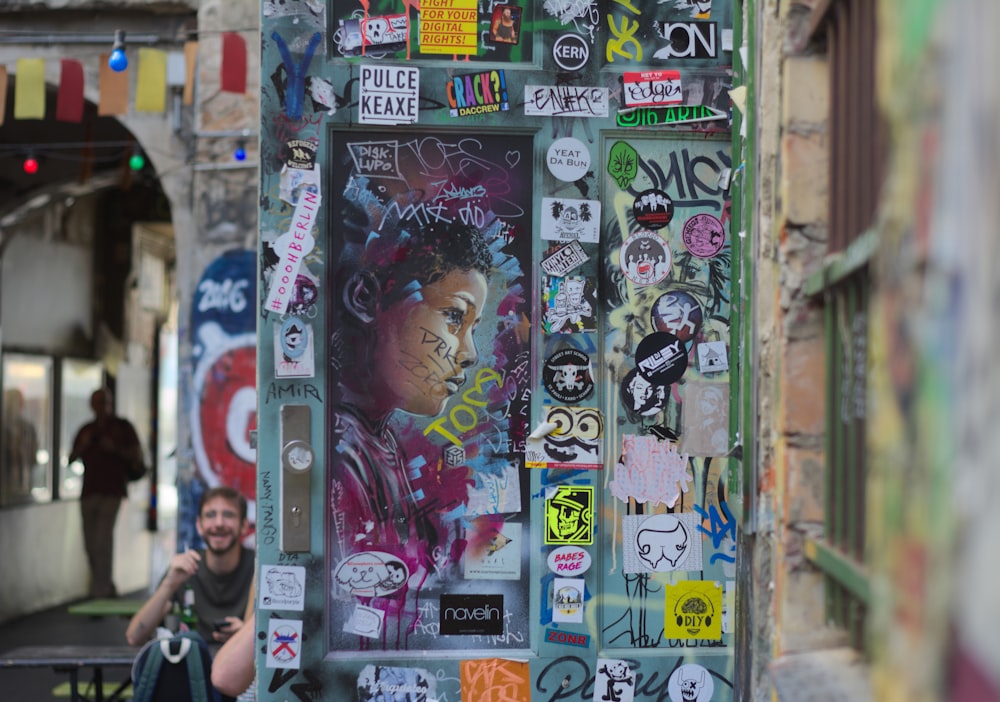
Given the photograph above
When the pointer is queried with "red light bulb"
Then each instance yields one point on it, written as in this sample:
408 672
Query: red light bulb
30 165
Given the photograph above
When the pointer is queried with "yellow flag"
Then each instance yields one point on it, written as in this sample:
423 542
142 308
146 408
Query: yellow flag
151 81
29 89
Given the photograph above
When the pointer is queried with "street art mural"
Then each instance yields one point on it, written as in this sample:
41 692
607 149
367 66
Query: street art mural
425 414
224 359
501 287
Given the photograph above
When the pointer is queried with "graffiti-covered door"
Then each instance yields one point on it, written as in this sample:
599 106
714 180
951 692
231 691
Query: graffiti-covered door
494 355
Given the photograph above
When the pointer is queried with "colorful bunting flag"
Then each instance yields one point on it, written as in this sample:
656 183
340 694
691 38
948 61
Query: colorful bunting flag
151 81
69 100
113 89
233 76
191 56
29 89
3 91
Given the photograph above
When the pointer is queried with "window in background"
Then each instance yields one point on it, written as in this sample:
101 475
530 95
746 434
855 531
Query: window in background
79 380
26 455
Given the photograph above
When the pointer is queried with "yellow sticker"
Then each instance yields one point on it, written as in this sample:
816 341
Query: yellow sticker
569 516
693 610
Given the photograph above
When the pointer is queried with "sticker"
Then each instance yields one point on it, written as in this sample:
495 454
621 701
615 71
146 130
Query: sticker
567 600
661 543
568 159
569 560
377 683
478 93
322 93
576 441
293 349
290 248
282 587
449 27
493 552
365 621
569 305
389 94
728 606
693 610
566 637
675 114
476 615
565 259
690 683
566 219
712 357
567 376
661 358
301 154
565 101
642 397
645 258
679 313
569 516
284 643
651 472
505 24
651 88
294 182
484 679
614 681
376 35
653 209
694 40
371 574
570 52
494 493
623 164
705 419
703 235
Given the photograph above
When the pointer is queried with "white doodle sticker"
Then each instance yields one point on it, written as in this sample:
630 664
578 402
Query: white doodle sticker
284 643
565 219
614 681
567 600
690 683
282 587
661 543
365 621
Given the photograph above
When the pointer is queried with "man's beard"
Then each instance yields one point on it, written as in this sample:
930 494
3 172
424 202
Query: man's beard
234 542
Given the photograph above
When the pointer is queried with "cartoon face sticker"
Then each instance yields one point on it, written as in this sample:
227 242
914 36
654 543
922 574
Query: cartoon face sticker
690 683
623 163
569 515
371 574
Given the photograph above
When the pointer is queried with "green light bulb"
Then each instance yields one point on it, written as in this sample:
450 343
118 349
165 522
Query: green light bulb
136 162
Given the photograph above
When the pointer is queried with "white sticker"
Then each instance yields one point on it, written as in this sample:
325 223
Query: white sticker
365 621
284 643
566 219
690 683
389 95
567 600
712 357
614 681
569 560
291 247
282 587
293 349
565 101
568 159
661 543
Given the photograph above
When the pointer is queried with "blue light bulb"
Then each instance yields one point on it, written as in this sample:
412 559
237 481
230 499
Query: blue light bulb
240 154
118 61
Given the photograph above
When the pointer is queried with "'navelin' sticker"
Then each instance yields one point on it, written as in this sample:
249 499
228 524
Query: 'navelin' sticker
567 560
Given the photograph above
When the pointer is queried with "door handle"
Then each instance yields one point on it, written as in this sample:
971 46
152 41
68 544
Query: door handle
297 460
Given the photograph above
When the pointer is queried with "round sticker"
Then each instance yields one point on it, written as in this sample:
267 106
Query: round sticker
679 313
645 258
294 338
690 683
569 560
566 375
703 235
661 358
641 396
570 52
653 209
568 159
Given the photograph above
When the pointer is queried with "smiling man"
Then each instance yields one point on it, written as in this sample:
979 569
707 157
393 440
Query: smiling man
220 577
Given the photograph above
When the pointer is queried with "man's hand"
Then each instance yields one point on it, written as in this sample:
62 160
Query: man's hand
224 629
183 566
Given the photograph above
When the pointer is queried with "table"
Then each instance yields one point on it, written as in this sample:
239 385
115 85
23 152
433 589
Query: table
71 659
106 608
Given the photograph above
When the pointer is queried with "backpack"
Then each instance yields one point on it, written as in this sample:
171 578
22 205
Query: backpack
174 669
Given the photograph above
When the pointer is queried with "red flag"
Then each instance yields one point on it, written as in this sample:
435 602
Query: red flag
233 76
69 100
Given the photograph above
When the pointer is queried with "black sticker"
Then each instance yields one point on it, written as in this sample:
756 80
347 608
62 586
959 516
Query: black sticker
570 52
566 376
480 615
301 154
661 358
653 209
642 397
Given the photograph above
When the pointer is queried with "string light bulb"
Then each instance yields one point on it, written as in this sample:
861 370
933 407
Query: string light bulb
118 61
137 160
30 165
240 152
